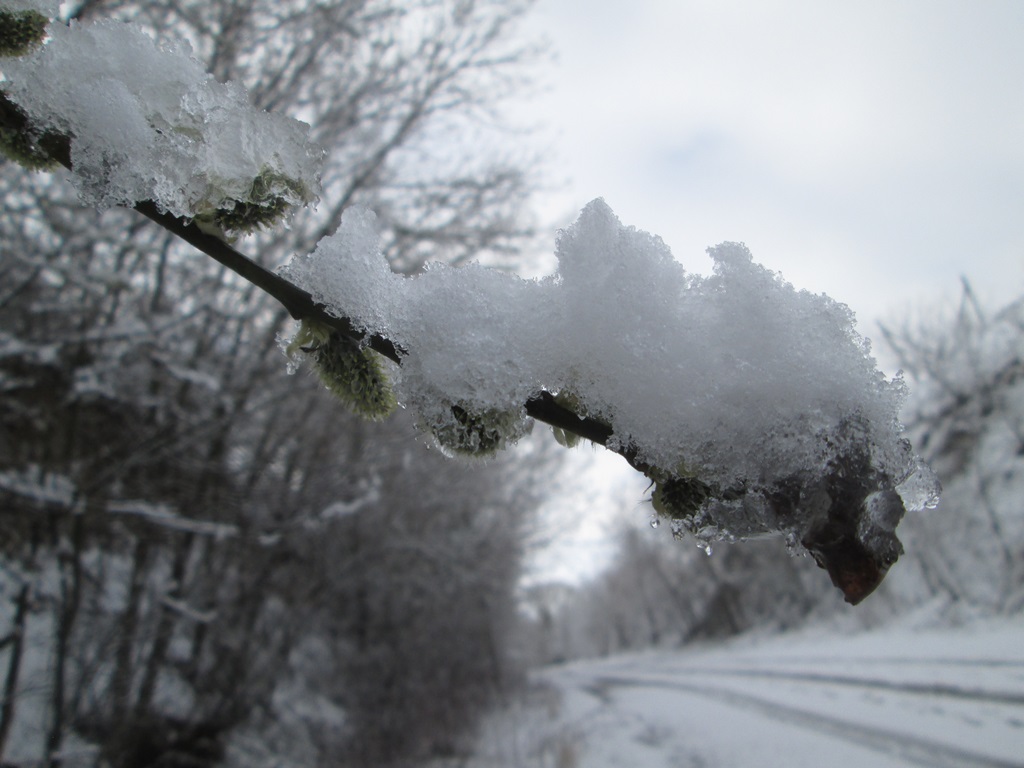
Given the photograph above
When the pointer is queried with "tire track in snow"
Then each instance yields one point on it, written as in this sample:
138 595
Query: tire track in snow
941 661
924 689
907 746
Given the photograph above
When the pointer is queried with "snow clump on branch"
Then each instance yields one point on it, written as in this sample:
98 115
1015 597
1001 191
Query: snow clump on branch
147 122
753 406
733 373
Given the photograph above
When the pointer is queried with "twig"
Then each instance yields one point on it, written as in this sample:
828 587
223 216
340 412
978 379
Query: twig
300 304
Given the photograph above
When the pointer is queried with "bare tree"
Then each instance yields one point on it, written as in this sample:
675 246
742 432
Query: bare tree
967 417
212 526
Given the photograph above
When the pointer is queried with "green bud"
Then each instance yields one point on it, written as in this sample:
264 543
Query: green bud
679 497
310 335
479 433
269 200
354 374
21 31
19 142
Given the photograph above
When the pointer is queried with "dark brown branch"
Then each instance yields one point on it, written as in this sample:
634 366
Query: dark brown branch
299 303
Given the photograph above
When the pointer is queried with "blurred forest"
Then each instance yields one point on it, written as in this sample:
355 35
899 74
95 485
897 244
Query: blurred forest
963 560
204 560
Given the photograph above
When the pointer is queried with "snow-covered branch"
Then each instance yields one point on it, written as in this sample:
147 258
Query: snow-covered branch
752 406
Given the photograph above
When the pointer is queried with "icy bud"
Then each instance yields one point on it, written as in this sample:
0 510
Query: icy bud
21 142
847 517
266 203
464 430
21 31
680 498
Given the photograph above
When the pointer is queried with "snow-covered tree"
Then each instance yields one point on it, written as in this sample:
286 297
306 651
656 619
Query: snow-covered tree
967 414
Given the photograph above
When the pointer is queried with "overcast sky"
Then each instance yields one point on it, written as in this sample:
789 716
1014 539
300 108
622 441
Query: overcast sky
872 150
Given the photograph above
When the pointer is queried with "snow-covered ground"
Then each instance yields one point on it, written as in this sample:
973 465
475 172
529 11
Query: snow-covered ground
886 698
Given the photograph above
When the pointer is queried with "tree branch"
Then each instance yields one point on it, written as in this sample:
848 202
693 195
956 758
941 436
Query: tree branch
300 304
836 523
297 302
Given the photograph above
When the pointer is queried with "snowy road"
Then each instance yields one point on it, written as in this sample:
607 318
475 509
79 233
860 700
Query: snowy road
885 699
